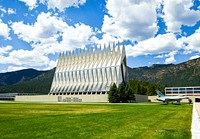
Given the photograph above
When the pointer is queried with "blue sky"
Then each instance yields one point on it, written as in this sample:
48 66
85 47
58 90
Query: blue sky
34 32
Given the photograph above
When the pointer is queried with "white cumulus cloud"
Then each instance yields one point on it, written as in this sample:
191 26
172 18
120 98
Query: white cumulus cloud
158 45
76 37
49 34
5 50
131 20
25 57
53 4
4 30
178 13
106 38
45 27
192 41
62 4
30 3
171 58
194 57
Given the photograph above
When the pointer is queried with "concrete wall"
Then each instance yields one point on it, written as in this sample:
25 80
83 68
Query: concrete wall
141 98
73 98
64 98
152 98
39 98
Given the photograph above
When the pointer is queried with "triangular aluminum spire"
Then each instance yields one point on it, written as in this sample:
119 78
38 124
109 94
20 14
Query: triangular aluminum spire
104 51
113 49
67 54
118 50
99 49
109 51
123 50
80 52
73 55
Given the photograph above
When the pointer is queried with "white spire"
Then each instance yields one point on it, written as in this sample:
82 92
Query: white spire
118 50
113 50
104 51
109 51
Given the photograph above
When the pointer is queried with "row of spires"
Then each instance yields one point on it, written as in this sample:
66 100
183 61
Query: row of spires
92 50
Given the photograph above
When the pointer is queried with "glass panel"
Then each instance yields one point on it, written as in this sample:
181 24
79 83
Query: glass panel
175 89
189 88
196 88
189 92
197 92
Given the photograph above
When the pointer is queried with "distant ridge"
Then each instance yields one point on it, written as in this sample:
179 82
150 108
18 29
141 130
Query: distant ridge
39 84
183 74
14 77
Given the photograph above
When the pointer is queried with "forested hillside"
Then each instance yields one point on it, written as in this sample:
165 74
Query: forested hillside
39 84
14 77
183 74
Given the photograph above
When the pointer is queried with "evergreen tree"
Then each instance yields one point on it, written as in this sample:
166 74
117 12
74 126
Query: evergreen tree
138 89
143 90
125 92
113 95
130 97
151 90
121 91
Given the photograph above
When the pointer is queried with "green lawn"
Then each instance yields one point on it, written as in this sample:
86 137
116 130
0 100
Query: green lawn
90 121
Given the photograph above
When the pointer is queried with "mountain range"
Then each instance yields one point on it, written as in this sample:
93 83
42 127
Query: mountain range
183 74
34 81
26 84
10 78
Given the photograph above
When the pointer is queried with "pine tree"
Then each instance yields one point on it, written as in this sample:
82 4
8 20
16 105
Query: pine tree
151 90
143 90
113 95
130 97
138 88
121 91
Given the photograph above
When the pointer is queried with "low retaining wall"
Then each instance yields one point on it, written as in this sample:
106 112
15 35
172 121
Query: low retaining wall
38 98
73 98
153 98
141 98
63 98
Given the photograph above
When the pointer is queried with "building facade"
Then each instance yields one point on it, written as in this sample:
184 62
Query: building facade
187 91
89 72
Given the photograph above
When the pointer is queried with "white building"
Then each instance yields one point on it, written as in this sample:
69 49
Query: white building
187 91
89 72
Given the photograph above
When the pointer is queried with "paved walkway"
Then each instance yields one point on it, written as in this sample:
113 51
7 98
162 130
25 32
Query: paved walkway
195 129
198 107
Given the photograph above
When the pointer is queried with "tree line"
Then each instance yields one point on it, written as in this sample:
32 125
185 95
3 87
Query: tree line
122 93
125 92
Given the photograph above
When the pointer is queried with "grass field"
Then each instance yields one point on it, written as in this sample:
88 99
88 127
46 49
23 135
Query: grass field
90 121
